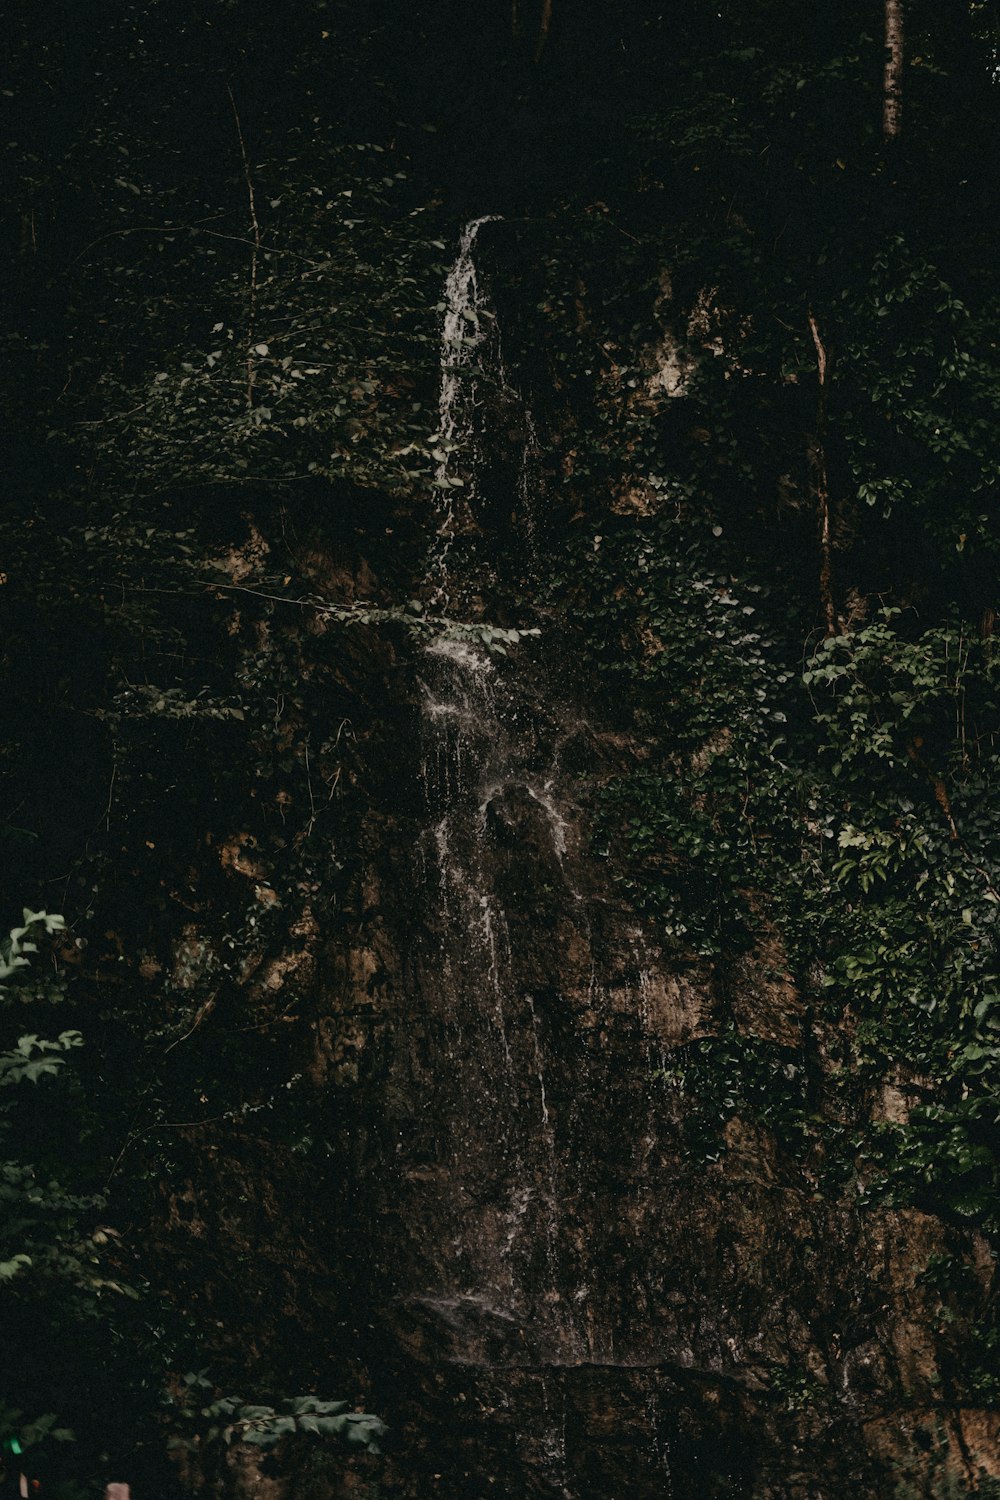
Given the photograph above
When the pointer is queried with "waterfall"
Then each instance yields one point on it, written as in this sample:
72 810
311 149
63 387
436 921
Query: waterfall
464 757
517 966
467 319
481 410
528 486
473 761
463 333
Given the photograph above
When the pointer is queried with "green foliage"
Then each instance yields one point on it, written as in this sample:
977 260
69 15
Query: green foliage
922 441
797 1389
25 1435
41 1236
844 806
45 1250
731 1075
19 943
688 642
229 1419
308 352
944 1158
909 724
965 1310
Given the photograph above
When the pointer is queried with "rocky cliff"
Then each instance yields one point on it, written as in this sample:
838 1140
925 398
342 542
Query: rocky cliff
511 1247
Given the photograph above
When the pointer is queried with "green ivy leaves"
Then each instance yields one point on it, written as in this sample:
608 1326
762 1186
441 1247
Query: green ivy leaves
232 1420
20 941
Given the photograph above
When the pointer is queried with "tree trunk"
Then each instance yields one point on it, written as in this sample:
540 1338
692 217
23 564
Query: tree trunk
544 24
821 485
892 93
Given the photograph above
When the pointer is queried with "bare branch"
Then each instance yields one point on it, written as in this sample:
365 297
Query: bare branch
254 255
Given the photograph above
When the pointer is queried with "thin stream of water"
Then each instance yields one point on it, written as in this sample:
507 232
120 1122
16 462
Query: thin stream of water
484 782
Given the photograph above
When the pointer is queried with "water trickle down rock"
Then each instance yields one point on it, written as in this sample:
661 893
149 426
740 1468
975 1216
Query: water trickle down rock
474 778
515 926
524 969
468 325
488 449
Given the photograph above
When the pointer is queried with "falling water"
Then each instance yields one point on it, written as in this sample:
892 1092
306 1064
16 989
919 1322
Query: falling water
529 486
463 756
464 332
517 1285
477 398
467 324
554 1437
659 1442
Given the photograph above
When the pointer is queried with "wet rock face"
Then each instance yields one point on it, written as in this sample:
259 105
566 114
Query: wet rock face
514 1259
562 1304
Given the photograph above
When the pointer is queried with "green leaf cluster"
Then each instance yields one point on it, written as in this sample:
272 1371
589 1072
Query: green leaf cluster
230 1419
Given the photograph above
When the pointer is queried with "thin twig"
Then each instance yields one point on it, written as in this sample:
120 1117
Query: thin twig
202 1012
341 611
137 1135
115 417
131 1134
255 251
114 234
312 801
241 239
820 351
111 793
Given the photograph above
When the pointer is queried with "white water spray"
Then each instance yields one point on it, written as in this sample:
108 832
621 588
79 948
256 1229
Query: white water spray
467 320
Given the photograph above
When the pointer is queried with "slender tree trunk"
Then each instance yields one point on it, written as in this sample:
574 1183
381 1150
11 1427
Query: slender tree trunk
544 24
892 92
821 484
